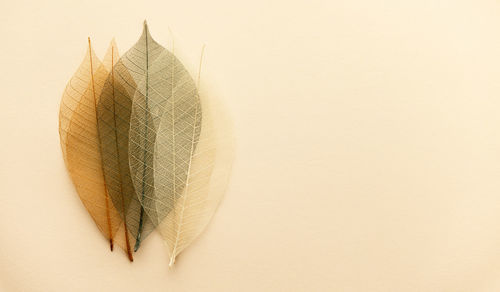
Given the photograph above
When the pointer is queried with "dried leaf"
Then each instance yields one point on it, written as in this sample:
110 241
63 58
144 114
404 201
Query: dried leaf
138 61
191 161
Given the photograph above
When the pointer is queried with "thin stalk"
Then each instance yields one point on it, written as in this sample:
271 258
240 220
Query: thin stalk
99 141
141 218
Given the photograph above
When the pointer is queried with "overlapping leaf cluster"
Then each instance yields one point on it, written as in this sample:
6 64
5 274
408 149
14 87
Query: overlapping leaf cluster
143 147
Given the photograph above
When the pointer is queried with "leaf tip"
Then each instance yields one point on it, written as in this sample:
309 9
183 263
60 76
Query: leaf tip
90 45
145 30
112 45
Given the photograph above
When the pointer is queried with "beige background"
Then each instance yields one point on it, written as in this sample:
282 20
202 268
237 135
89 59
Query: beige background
368 154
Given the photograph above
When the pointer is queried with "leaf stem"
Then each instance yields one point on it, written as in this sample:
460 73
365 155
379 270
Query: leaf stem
99 140
141 218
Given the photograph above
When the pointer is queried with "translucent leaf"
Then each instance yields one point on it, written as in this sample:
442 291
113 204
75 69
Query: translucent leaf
138 61
191 162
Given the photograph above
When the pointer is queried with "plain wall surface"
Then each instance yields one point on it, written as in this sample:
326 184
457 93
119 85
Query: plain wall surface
368 146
